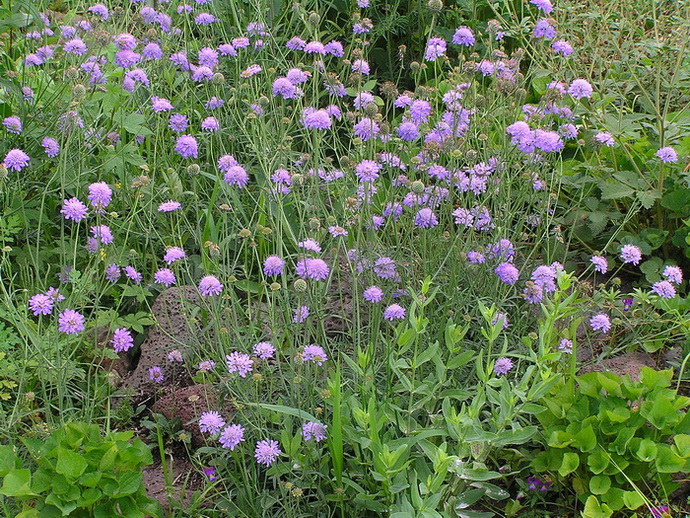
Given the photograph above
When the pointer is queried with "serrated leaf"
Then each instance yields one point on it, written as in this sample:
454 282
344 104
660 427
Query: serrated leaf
615 191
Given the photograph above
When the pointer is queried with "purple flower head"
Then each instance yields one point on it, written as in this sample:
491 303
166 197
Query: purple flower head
673 274
605 138
100 195
75 46
314 430
214 103
373 294
112 273
174 253
394 312
507 273
367 170
41 304
543 29
231 436
208 57
71 322
236 175
284 88
156 374
310 268
187 146
463 36
206 365
132 274
435 48
169 206
240 363
664 289
544 5
122 340
426 218
127 58
204 19
408 131
631 254
300 314
16 159
267 452
102 234
562 47
152 51
125 41
51 147
474 257
314 353
178 123
273 265
600 322
627 303
165 277
600 263
73 209
667 155
211 422
13 124
264 350
210 472
296 43
334 48
159 104
366 129
385 268
315 47
210 285
502 366
661 511
580 89
210 124
316 119
420 111
99 10
565 346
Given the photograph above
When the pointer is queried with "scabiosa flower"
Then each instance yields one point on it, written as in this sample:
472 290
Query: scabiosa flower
314 353
667 155
102 234
122 340
366 129
152 51
187 146
41 304
210 285
565 346
544 5
600 322
112 273
385 268
373 294
99 10
600 263
211 422
605 138
580 89
426 218
394 312
204 19
267 452
75 46
231 436
273 265
285 88
210 124
236 175
178 122
664 289
314 430
300 314
206 365
367 170
16 159
296 43
264 350
435 48
562 47
51 147
100 195
240 363
502 366
159 104
174 253
420 111
310 268
507 273
13 124
71 322
164 276
73 209
474 257
543 29
169 206
361 66
463 36
631 254
673 274
132 274
316 119
337 231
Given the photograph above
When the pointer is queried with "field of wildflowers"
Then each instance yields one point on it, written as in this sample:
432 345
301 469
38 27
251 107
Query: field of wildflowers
348 258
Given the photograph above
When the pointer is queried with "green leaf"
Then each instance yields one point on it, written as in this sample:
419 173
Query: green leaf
571 461
682 442
677 201
667 461
585 439
593 509
70 464
598 461
8 460
615 191
135 124
560 439
647 450
599 484
633 499
648 198
17 483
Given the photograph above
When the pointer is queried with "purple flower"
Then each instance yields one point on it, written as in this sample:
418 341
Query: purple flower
267 452
152 51
314 353
316 119
211 422
51 147
273 265
507 273
315 269
125 41
156 374
210 472
112 273
210 285
474 257
41 304
385 268
100 195
178 122
544 5
667 155
366 129
605 138
420 111
71 322
122 340
240 363
566 346
631 254
187 146
264 350
99 10
314 430
16 159
502 366
231 436
673 274
296 43
435 48
169 206
367 170
463 36
562 47
159 104
394 312
580 89
426 218
236 175
204 19
206 365
210 124
131 273
102 234
310 244
627 303
300 314
664 289
13 124
75 46
408 131
285 88
174 253
543 29
660 512
164 276
73 209
600 263
600 322
373 294
361 66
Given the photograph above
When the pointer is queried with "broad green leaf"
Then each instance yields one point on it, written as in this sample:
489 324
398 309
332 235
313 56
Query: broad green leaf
585 439
593 509
647 450
8 460
599 484
70 463
682 443
615 191
598 461
633 499
571 461
667 461
17 483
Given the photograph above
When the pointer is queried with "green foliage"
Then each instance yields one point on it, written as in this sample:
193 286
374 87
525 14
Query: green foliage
77 472
614 440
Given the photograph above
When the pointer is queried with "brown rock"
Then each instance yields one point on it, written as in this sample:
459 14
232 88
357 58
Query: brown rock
629 363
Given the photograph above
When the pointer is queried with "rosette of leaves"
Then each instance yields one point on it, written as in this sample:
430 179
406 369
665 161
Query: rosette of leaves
79 473
615 440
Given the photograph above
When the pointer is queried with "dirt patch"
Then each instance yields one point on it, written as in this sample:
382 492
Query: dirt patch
184 478
629 363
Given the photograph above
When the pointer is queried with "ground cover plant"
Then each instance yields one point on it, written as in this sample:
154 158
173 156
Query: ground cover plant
349 258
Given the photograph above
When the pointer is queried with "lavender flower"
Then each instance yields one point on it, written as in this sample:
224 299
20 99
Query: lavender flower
394 312
100 195
112 273
667 155
231 436
600 263
314 353
211 422
605 138
51 147
122 340
631 254
210 285
373 294
73 209
435 48
664 289
71 322
240 363
273 265
566 346
264 350
16 159
507 273
174 253
426 218
267 452
41 304
300 314
600 322
314 430
13 124
131 273
315 269
502 366
169 206
187 146
463 36
580 89
164 276
673 274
